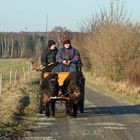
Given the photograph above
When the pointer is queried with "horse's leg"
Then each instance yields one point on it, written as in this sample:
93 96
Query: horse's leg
53 107
40 104
68 108
47 109
75 108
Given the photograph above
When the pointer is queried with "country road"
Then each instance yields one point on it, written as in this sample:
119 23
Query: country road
104 118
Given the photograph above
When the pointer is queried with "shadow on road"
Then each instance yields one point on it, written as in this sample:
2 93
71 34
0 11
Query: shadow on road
112 110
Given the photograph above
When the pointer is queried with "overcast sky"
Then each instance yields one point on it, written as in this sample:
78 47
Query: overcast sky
30 15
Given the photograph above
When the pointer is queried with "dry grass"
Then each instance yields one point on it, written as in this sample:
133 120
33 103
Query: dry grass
133 71
15 102
121 90
112 47
9 104
9 100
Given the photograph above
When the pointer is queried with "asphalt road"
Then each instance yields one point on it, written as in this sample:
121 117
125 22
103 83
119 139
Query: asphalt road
104 118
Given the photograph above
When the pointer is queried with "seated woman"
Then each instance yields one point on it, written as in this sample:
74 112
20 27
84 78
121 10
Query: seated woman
48 57
67 57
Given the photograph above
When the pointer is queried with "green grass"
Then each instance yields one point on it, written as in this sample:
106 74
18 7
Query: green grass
12 64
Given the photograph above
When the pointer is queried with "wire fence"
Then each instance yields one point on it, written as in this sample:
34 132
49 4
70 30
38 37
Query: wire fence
13 77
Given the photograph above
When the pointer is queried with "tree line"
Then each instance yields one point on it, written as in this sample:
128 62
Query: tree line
28 44
19 45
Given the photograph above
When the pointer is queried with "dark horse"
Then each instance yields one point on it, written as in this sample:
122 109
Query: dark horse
71 93
48 88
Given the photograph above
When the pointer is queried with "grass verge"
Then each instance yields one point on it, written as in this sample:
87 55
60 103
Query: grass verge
122 91
16 103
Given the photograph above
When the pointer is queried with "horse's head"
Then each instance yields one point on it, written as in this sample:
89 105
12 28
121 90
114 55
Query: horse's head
53 84
49 87
50 84
71 87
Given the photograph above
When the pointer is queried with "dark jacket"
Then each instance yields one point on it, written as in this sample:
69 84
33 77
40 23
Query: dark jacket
48 56
71 54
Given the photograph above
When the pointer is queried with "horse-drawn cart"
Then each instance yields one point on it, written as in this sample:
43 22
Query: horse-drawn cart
66 86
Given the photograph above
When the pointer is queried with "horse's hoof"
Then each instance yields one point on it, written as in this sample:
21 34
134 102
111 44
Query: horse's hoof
53 115
47 115
40 112
74 115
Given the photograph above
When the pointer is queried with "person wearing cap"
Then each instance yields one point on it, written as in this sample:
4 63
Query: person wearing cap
67 57
48 57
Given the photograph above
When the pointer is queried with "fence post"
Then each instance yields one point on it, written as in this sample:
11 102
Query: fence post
24 74
10 76
28 70
30 67
0 84
15 77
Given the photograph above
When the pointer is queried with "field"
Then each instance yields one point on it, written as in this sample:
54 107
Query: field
12 64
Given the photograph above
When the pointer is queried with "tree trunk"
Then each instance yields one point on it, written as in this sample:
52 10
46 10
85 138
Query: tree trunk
12 49
5 46
2 45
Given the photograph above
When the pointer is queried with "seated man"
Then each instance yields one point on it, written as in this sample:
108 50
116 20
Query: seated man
68 57
48 57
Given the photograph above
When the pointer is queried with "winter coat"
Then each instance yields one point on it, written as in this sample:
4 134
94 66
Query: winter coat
71 54
48 56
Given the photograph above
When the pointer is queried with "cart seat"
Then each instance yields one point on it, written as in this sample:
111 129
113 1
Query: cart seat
61 76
